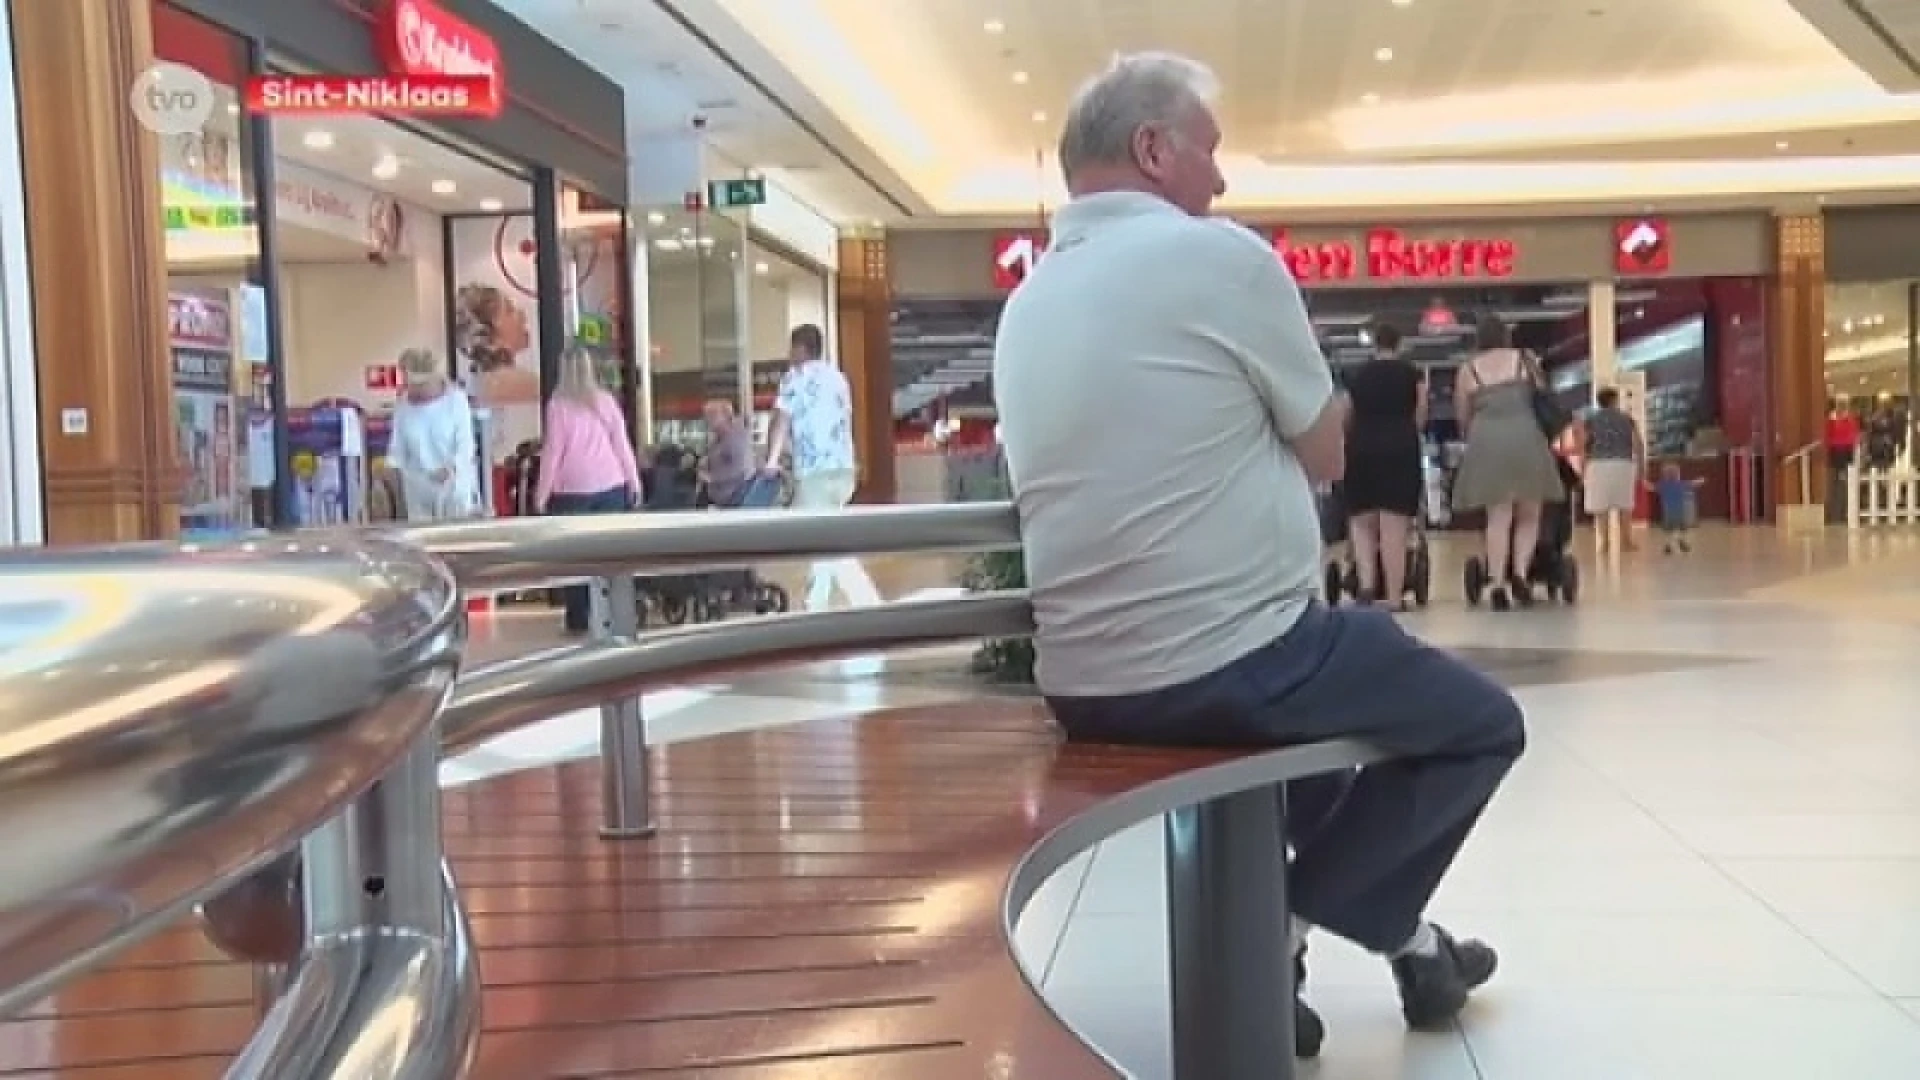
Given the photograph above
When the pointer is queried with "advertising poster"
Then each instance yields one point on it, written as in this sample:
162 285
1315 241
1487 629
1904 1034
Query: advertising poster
496 339
206 427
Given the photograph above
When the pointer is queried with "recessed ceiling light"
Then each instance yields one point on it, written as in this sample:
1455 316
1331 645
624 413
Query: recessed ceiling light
1369 98
995 26
444 187
760 268
1021 77
1402 3
1781 145
655 217
317 140
1383 54
1039 116
386 167
490 205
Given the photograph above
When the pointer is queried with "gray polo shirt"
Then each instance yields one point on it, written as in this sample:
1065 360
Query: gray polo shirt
1148 375
730 463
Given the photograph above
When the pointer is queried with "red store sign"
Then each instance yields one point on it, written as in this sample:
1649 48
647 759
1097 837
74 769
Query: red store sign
419 37
1390 255
1642 246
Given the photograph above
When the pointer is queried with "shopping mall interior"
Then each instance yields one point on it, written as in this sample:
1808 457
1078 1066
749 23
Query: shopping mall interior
336 787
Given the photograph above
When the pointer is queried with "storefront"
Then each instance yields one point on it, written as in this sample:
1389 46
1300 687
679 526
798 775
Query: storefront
1870 335
725 289
1672 310
305 254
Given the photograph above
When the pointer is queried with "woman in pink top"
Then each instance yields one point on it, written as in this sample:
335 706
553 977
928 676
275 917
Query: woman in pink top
586 459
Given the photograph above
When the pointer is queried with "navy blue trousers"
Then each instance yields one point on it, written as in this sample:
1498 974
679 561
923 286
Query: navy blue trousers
1370 847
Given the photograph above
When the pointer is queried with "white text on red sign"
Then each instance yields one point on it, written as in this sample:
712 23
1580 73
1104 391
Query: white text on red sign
419 95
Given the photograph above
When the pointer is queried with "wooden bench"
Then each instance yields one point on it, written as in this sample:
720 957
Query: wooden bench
831 899
835 899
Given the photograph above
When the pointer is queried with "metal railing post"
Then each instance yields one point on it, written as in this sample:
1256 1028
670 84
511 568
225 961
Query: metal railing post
377 866
1227 924
623 723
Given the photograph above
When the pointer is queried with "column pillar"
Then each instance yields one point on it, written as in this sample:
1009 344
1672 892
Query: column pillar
98 260
1602 344
1798 381
864 310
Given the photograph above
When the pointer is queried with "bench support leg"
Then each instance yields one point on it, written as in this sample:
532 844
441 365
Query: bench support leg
624 782
1227 908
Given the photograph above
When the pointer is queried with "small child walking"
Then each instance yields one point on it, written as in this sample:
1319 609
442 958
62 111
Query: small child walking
1678 508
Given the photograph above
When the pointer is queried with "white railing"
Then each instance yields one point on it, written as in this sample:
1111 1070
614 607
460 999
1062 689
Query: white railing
1800 463
1878 497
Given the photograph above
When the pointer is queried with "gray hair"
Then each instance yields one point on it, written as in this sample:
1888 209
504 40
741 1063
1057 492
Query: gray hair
1148 89
579 376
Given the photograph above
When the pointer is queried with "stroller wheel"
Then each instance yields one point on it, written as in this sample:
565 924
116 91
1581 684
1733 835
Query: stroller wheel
770 599
1420 577
1570 581
1335 584
1476 575
674 610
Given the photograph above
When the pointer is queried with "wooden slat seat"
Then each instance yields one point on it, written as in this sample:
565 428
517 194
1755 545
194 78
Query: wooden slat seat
820 900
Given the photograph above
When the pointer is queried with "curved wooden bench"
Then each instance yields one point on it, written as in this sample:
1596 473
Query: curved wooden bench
835 899
830 899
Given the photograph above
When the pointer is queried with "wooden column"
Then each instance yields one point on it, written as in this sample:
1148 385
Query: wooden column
1798 390
98 260
865 311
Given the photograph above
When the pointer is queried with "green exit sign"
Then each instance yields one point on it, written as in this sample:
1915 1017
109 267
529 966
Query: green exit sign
730 194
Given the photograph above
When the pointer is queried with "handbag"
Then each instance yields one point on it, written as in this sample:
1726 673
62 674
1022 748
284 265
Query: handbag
1554 418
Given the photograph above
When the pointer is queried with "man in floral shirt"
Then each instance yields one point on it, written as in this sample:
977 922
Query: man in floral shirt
813 420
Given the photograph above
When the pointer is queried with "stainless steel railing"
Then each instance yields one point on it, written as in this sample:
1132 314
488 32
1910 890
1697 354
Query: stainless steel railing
171 718
205 709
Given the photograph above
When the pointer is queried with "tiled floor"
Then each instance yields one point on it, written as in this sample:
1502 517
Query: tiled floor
1707 866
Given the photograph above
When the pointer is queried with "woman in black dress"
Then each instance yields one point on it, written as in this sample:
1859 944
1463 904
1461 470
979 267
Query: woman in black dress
1385 475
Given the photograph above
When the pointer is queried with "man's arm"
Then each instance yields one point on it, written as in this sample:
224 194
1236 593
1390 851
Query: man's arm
1266 327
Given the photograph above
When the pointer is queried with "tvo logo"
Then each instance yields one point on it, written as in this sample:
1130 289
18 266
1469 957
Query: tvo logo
172 99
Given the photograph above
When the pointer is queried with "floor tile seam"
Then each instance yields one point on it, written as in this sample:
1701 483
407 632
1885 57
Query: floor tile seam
1066 921
1725 875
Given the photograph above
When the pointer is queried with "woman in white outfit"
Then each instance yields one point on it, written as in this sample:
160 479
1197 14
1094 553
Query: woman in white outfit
433 446
1615 470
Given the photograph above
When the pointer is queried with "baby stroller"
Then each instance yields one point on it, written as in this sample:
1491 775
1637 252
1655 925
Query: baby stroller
673 483
1343 573
1553 565
735 590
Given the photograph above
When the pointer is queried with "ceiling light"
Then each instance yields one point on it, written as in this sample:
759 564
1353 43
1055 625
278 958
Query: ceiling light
317 140
1383 54
1781 145
1039 116
444 187
490 205
1369 98
995 26
655 217
760 268
386 167
1021 77
1402 3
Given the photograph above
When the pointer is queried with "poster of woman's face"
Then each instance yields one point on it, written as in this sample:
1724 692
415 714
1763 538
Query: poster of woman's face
494 341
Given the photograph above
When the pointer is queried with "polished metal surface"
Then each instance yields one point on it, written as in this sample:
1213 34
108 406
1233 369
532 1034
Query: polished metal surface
507 696
625 784
510 553
376 1003
171 718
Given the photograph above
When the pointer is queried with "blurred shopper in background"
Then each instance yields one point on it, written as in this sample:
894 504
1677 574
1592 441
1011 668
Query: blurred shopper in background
813 420
1508 469
1843 447
1615 470
1385 475
587 464
729 466
433 446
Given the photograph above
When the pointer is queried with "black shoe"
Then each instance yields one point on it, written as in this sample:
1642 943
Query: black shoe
1433 989
1309 1031
1499 599
1522 591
